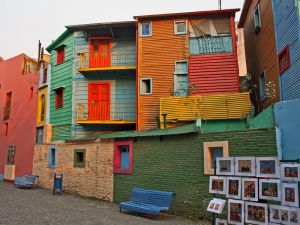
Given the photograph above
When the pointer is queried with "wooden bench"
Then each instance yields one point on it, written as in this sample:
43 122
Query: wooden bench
149 201
26 181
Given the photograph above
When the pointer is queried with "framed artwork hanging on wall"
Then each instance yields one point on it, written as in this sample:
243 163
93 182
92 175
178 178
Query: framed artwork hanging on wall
221 222
236 212
290 172
225 166
267 167
234 187
256 213
290 194
217 185
270 189
245 166
250 189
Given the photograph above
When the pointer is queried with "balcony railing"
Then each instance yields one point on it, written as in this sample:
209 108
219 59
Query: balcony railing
211 45
6 115
206 107
117 59
116 113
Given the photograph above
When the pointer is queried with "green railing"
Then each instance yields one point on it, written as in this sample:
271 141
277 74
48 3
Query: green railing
211 45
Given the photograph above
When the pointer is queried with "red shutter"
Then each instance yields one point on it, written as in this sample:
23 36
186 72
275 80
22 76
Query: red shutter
60 55
117 157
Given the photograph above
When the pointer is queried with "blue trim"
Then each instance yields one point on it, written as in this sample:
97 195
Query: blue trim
1 177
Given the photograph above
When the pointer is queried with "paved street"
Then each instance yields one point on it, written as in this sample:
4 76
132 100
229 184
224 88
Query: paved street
39 206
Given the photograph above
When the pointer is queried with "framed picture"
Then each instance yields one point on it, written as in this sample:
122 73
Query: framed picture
290 172
294 216
270 189
217 185
236 212
245 166
234 187
257 213
275 213
216 205
290 194
267 167
225 166
221 222
250 189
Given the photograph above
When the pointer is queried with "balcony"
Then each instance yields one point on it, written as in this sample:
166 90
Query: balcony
117 113
6 115
206 107
211 45
125 60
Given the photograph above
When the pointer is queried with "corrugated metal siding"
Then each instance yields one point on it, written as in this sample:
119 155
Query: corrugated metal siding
61 76
287 26
261 49
157 55
216 73
206 107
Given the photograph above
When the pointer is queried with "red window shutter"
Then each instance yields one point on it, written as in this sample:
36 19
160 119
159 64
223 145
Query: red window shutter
60 55
59 98
117 158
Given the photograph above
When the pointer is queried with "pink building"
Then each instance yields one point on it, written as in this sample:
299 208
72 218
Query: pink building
18 106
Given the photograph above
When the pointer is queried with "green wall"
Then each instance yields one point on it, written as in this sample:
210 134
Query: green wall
61 76
176 164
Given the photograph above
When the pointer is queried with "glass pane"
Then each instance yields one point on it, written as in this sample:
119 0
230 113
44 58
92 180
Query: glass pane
145 28
262 85
181 67
124 159
181 27
215 152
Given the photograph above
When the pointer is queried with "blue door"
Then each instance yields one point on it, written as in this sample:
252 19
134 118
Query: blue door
124 164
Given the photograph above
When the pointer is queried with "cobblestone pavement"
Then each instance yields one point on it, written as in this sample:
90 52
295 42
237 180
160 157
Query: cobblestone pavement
39 206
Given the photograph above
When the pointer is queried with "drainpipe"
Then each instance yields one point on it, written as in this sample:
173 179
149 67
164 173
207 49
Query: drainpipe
164 115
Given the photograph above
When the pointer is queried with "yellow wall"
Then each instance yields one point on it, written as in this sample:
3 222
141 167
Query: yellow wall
40 93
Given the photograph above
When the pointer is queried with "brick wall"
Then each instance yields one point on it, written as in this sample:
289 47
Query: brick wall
94 180
176 164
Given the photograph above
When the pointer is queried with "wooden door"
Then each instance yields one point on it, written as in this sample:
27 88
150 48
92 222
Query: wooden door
100 52
99 101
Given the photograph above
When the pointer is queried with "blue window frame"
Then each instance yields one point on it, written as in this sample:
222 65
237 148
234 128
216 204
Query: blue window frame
52 157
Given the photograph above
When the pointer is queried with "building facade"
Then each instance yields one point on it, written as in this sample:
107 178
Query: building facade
18 101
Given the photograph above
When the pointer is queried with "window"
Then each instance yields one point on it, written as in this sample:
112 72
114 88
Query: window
6 129
257 20
11 154
39 135
212 150
60 58
284 60
181 78
123 157
180 27
59 96
52 157
262 86
43 103
146 29
7 106
146 86
31 93
45 76
79 158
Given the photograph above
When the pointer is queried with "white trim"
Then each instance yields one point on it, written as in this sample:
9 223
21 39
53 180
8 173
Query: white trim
175 27
238 196
211 190
296 196
218 170
290 165
181 61
141 29
141 82
242 173
242 203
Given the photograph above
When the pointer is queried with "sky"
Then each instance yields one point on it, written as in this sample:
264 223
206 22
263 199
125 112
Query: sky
24 22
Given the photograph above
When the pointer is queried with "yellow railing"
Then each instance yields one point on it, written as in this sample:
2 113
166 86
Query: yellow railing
206 107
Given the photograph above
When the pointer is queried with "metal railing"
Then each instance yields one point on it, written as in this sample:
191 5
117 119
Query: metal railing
115 112
124 58
6 115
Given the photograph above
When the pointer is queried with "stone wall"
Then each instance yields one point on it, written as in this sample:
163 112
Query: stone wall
94 180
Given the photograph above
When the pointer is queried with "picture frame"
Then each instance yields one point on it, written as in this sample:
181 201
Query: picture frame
267 167
217 185
221 222
236 212
294 216
225 166
234 187
290 172
250 189
275 213
290 194
256 213
284 215
270 189
245 166
216 205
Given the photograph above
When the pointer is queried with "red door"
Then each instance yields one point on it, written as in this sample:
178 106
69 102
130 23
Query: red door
99 101
100 52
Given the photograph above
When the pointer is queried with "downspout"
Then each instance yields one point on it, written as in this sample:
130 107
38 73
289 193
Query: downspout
137 75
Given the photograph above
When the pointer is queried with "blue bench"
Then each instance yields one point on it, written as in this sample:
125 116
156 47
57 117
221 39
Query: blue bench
149 201
26 181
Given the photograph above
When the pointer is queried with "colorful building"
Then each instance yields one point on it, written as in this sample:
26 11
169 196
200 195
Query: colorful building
182 54
18 102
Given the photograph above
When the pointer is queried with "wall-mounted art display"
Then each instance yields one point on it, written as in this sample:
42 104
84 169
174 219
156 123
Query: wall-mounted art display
245 166
250 189
294 216
236 212
267 167
221 222
284 215
234 187
256 213
225 166
290 172
275 213
216 205
269 189
217 185
290 194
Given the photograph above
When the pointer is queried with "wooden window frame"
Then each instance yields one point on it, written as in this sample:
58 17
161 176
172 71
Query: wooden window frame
117 157
141 29
60 55
175 27
57 106
257 27
141 82
285 50
79 164
208 156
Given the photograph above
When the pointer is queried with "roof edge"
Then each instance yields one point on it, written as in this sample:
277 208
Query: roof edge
60 38
244 13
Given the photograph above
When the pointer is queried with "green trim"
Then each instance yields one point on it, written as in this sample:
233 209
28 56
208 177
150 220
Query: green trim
59 39
76 163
